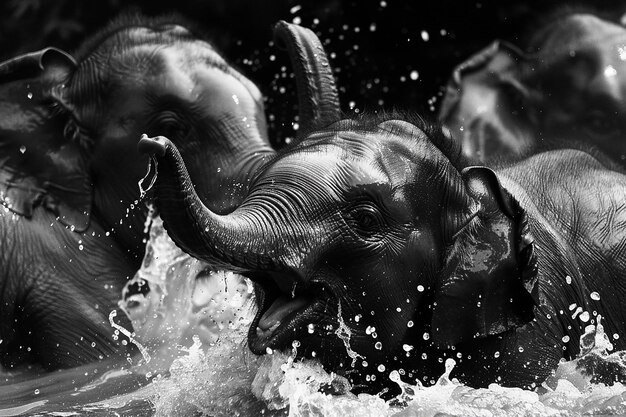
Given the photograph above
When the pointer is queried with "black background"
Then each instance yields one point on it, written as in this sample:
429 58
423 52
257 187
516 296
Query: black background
374 45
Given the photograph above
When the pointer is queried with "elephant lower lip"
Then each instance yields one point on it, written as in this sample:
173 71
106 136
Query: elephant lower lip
282 307
291 326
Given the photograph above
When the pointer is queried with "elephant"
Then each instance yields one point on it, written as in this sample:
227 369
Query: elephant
568 89
375 246
72 224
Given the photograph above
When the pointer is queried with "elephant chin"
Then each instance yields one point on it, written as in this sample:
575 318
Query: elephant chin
287 308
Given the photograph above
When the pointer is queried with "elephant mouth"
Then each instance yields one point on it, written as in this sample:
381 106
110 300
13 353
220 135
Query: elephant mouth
288 309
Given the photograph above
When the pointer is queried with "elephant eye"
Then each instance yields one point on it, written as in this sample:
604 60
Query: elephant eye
366 219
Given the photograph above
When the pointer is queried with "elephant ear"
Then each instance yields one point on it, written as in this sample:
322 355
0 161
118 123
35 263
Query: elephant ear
486 103
39 167
489 283
48 62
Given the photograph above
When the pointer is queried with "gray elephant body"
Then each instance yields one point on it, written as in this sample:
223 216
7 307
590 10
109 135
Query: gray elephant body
376 248
72 224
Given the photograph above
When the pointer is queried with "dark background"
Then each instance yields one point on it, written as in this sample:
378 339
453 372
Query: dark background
375 46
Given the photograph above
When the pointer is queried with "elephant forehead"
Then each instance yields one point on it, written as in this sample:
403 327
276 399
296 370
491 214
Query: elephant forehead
355 158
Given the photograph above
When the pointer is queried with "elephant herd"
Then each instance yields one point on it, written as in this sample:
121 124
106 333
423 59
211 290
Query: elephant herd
494 238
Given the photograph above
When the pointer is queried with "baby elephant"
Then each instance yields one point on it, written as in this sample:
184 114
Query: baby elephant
377 249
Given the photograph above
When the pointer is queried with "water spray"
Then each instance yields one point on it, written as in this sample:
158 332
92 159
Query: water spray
142 349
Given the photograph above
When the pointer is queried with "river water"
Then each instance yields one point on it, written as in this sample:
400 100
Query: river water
190 327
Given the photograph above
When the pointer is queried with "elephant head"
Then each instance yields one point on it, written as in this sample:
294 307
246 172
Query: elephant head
568 89
69 126
362 240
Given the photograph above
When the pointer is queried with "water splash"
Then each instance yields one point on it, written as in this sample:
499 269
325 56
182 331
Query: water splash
344 333
174 297
142 349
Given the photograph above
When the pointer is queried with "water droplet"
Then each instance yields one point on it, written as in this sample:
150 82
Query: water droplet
398 309
615 336
409 323
424 356
414 75
37 392
426 336
568 279
496 355
565 339
425 36
584 316
80 247
595 296
520 349
381 368
378 345
269 350
610 71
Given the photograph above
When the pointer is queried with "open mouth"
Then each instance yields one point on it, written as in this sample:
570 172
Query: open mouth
289 309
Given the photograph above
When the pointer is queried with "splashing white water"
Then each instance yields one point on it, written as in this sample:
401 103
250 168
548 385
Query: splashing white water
174 297
344 333
129 335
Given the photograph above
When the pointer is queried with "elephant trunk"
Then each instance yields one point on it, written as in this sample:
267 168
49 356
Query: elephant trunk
317 93
235 241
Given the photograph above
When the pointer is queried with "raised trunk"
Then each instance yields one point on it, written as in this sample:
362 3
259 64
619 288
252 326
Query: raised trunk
236 241
317 93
